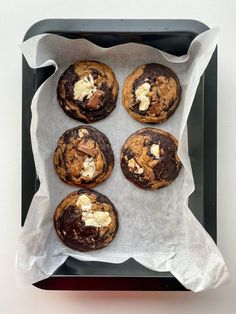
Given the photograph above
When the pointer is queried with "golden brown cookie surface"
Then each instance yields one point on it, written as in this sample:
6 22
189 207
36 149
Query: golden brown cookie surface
149 158
83 157
151 93
86 220
87 91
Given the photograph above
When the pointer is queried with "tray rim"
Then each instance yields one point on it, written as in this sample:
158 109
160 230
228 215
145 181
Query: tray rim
188 23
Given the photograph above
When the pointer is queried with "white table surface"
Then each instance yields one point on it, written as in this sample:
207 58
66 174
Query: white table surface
15 18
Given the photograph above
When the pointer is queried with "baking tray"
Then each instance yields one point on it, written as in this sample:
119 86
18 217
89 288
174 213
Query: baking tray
172 36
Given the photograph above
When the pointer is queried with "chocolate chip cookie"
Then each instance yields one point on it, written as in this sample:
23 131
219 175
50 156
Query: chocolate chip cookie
87 91
83 157
149 158
86 220
151 93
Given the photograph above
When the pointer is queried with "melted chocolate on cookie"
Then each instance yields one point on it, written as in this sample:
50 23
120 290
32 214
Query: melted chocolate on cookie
95 105
150 74
149 158
83 145
81 234
151 93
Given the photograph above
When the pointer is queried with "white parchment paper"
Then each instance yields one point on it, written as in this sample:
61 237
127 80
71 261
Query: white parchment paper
157 228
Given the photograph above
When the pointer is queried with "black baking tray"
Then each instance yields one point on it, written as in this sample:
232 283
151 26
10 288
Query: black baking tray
172 36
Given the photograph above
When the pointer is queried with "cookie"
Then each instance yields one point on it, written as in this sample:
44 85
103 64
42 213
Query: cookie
87 91
83 156
86 220
151 93
149 158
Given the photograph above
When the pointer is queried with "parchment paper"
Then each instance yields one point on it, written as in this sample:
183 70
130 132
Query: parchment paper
157 228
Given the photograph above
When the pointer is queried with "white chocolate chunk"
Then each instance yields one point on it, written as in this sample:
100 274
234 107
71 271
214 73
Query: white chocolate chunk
92 218
84 202
82 133
141 94
84 88
134 165
88 167
155 150
96 219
